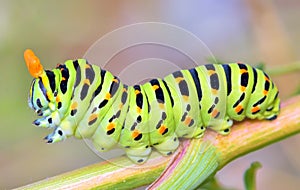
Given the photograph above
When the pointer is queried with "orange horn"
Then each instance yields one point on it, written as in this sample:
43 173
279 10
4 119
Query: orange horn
33 63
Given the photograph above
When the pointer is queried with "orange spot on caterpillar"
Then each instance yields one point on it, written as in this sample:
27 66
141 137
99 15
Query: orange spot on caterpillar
87 81
243 71
107 96
154 87
214 113
214 91
110 126
116 81
74 105
137 92
255 109
63 79
124 90
265 92
178 79
267 79
138 109
87 66
33 63
135 133
238 108
57 98
211 72
161 106
121 105
185 98
162 129
92 117
187 120
243 88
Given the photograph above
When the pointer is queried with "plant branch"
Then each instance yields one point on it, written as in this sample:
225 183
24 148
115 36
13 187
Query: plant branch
120 173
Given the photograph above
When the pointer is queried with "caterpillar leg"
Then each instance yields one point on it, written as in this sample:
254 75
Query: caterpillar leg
48 121
57 136
224 128
138 155
169 146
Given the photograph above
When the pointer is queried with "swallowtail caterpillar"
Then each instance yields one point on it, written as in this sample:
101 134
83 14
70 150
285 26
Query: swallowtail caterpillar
82 100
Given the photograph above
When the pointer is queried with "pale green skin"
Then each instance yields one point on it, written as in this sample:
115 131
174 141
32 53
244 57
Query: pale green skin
66 125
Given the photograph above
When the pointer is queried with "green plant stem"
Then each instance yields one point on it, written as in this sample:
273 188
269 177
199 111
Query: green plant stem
285 69
245 137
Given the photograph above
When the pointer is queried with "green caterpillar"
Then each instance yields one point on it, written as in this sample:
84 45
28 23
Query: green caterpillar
79 99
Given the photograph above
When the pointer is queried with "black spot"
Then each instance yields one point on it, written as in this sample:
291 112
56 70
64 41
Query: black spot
50 120
260 101
210 67
244 79
195 77
147 146
242 97
99 88
127 147
60 132
227 71
169 93
59 105
159 124
84 91
42 87
188 107
169 153
109 132
73 112
112 118
240 112
184 116
39 104
226 130
163 115
211 109
94 110
114 87
92 121
191 123
51 78
216 100
165 131
139 119
214 81
102 104
89 73
175 139
254 80
132 128
158 92
139 96
139 137
140 160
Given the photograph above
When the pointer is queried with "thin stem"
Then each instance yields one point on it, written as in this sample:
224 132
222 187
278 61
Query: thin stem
245 137
285 69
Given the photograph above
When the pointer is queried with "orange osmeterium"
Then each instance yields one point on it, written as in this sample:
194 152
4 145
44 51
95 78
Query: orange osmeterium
33 63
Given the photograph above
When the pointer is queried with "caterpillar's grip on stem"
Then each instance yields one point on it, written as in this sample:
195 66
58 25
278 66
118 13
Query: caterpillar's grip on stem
33 63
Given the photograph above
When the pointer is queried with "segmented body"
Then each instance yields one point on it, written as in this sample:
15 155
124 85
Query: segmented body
79 99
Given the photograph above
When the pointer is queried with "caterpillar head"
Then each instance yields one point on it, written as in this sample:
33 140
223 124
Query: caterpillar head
40 96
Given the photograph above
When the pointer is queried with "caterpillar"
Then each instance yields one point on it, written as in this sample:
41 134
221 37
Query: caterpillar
82 100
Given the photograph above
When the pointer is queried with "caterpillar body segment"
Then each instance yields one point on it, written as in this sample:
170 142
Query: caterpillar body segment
82 100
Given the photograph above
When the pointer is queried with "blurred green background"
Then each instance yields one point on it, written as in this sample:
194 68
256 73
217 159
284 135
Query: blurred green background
234 30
